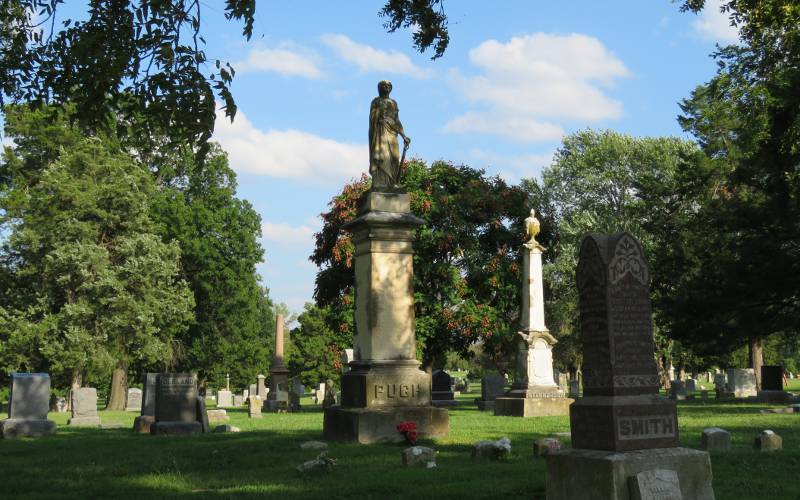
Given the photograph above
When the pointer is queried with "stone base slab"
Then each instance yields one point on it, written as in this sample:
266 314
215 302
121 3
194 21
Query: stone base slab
485 405
776 397
602 475
84 422
165 428
532 407
379 425
142 424
14 427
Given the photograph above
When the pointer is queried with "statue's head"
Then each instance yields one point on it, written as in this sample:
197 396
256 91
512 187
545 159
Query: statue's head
533 212
384 88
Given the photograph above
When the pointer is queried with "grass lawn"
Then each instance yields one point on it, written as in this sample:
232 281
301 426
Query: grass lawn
260 461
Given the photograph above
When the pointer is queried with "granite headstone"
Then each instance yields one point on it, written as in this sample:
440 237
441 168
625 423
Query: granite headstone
84 407
134 401
29 403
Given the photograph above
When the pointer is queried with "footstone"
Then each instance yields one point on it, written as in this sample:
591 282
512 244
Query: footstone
545 446
768 441
313 445
492 449
603 475
226 428
134 401
655 484
217 416
715 439
419 456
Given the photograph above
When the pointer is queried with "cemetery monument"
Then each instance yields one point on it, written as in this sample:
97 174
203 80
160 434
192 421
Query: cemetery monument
278 396
134 400
621 427
177 405
384 386
534 391
29 402
84 408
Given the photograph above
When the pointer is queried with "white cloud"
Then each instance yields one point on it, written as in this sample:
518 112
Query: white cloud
716 25
513 167
288 153
284 59
532 81
518 128
370 59
286 234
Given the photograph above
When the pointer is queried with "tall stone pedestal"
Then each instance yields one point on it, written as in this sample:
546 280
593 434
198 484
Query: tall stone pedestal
384 385
605 475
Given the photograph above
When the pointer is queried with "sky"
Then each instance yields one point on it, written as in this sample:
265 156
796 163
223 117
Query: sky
517 76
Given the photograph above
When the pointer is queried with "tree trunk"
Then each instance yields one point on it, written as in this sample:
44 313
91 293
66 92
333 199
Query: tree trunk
119 388
77 381
757 359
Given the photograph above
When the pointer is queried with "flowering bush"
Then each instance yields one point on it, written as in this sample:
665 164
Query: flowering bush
409 431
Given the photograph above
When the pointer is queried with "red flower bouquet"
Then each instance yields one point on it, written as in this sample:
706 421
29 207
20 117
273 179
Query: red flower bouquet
409 431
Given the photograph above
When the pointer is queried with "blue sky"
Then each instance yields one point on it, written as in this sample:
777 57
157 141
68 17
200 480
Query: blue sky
517 76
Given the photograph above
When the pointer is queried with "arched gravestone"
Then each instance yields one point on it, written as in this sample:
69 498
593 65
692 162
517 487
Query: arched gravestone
621 409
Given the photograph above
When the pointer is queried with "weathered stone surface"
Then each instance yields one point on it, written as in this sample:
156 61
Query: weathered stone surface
202 414
226 428
314 445
142 424
620 409
84 407
377 425
134 400
492 449
419 456
741 382
321 464
11 428
176 398
217 416
715 439
175 428
545 446
380 385
603 475
238 400
149 394
261 387
655 484
84 421
224 398
768 441
772 378
254 407
532 406
30 396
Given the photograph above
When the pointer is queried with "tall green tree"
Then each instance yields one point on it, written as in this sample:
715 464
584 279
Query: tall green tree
218 233
746 283
90 284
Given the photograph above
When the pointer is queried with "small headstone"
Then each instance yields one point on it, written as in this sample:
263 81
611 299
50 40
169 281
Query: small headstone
545 446
254 410
321 464
218 415
677 390
768 441
238 400
314 445
655 484
742 382
224 398
715 439
261 387
442 387
84 407
29 403
419 455
134 401
492 387
492 449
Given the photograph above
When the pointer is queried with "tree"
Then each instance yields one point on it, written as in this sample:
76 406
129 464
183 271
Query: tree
604 181
314 354
466 263
91 285
131 59
747 119
218 235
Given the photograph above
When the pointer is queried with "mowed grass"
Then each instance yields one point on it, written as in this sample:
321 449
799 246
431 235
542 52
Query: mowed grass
260 461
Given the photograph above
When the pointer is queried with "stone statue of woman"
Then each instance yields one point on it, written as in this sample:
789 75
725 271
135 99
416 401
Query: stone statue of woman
384 127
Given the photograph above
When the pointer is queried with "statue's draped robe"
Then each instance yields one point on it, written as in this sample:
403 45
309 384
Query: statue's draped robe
384 151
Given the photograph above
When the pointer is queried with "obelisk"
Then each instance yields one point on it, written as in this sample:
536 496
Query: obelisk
278 396
534 392
384 386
